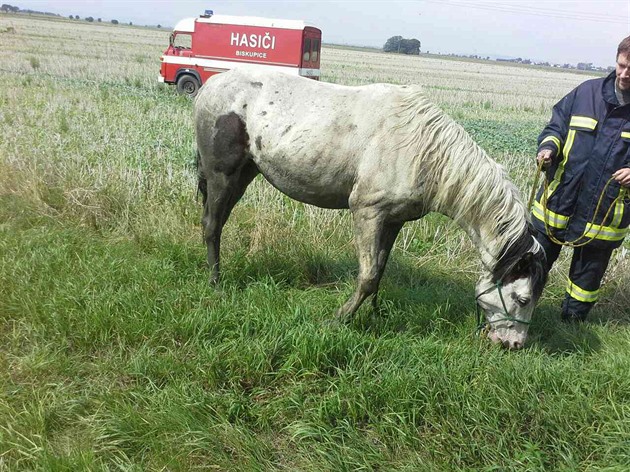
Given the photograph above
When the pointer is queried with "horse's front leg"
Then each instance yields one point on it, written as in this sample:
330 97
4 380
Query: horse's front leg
374 239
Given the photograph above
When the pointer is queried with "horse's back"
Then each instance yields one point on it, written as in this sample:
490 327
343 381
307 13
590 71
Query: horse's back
309 139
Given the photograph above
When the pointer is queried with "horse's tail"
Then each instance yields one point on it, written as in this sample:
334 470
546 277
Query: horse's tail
202 183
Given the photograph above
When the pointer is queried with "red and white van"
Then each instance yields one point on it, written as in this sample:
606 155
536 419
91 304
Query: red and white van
204 46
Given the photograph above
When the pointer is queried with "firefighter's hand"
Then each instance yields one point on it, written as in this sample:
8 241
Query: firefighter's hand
545 156
623 176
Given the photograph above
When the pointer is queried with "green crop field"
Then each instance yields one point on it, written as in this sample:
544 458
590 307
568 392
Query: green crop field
115 354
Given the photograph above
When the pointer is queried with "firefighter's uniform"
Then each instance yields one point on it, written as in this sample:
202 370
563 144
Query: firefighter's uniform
590 134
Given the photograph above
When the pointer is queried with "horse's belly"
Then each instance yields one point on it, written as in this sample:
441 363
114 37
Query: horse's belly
322 186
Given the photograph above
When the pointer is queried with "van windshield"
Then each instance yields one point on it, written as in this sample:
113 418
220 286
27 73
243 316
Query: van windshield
182 41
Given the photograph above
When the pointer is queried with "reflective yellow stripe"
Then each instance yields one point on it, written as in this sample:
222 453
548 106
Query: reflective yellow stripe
567 149
560 170
619 206
553 219
582 295
583 122
625 134
556 141
605 233
612 232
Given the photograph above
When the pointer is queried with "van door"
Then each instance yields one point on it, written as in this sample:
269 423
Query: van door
311 49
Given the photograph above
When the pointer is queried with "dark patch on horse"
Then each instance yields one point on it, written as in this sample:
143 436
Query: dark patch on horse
517 261
263 113
244 106
286 130
258 143
256 84
230 144
270 103
202 183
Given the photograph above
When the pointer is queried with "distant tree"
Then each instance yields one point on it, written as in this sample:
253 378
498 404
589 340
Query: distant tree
159 26
76 17
114 22
410 46
99 20
402 45
71 17
130 23
392 44
90 19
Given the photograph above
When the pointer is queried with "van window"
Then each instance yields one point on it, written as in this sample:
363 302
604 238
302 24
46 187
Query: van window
315 53
306 56
182 41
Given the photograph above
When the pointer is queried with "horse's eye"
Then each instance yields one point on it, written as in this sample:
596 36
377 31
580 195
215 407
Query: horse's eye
523 301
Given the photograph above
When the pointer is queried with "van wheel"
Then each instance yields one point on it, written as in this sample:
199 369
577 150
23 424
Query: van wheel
188 85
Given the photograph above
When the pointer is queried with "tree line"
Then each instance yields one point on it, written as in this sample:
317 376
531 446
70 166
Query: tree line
14 9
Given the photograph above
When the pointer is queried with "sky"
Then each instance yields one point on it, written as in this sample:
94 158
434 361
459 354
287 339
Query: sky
557 31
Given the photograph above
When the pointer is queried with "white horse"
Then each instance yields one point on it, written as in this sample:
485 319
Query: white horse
385 153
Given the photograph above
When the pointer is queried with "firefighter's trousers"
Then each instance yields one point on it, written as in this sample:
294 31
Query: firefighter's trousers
588 266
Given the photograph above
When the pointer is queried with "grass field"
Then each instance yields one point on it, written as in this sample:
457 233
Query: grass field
116 355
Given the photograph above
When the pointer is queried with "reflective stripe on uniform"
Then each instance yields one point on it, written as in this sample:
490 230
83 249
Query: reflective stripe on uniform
612 232
625 134
619 207
560 170
582 295
605 233
583 122
555 220
554 140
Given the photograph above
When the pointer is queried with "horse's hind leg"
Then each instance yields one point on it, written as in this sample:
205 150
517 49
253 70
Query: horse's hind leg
224 192
374 239
227 170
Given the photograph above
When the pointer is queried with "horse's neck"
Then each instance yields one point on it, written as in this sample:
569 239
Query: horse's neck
485 205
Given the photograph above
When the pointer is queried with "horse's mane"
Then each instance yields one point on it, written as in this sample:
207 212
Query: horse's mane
462 181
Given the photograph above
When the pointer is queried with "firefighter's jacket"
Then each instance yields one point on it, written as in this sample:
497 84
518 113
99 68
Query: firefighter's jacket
590 134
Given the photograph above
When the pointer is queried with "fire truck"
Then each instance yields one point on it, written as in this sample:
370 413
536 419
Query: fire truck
201 47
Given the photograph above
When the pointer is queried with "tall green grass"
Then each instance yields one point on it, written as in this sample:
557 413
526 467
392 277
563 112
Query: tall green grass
116 355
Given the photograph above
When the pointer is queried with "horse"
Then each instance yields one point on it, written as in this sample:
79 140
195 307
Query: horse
385 153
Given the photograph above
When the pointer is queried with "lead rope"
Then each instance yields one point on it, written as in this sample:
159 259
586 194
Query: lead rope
543 202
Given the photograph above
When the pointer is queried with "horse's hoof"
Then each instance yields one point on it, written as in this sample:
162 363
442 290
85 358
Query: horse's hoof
342 318
334 323
213 283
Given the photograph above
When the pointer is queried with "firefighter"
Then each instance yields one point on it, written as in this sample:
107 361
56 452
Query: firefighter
585 151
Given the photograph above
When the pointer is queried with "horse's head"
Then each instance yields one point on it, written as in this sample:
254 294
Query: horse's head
509 293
